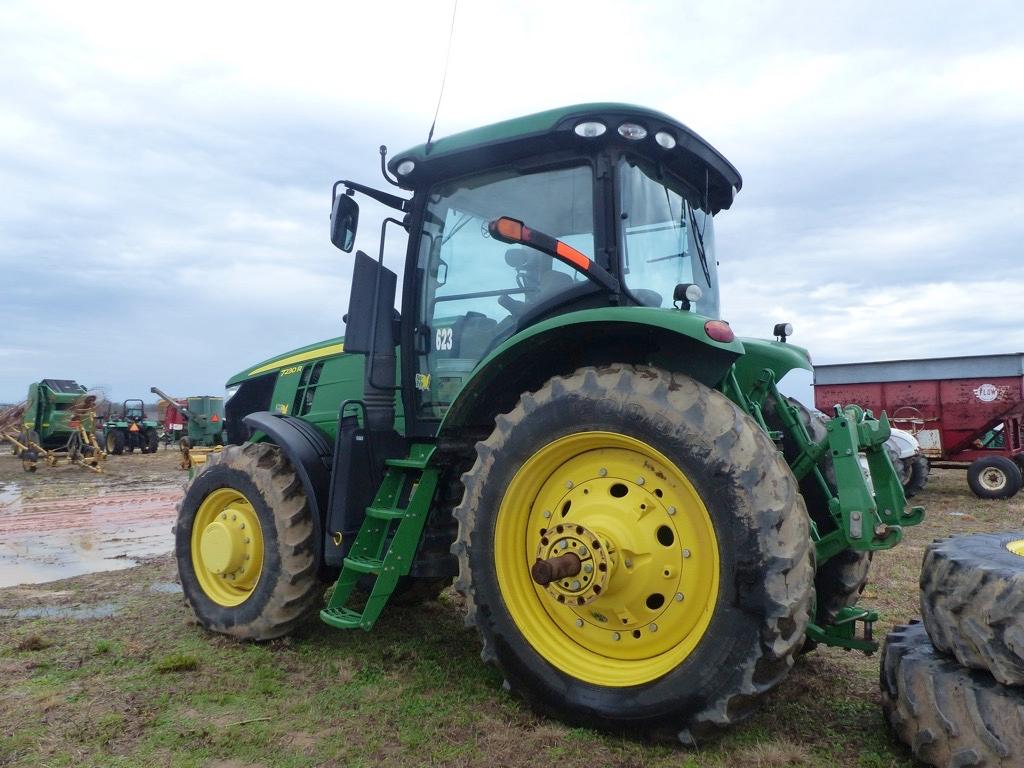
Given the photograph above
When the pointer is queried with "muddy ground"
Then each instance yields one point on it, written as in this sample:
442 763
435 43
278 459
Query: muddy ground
67 520
109 669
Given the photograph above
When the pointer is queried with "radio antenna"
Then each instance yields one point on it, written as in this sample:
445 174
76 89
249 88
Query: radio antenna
444 76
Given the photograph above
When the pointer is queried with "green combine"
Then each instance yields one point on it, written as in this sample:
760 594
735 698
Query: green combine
645 531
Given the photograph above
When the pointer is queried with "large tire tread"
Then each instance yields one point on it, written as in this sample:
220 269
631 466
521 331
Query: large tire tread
783 595
949 716
294 590
841 579
972 602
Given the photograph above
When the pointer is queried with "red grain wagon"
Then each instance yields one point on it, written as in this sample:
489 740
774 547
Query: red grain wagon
964 411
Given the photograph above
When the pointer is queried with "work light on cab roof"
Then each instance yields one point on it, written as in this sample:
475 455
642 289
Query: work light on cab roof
542 417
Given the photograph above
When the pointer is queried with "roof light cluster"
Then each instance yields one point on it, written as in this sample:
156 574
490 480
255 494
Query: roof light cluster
405 167
591 129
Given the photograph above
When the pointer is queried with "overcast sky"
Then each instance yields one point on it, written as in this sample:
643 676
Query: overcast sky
165 170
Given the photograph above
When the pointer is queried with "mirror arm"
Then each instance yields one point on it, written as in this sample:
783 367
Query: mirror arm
391 201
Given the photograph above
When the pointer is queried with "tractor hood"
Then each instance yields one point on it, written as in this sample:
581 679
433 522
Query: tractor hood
657 136
321 349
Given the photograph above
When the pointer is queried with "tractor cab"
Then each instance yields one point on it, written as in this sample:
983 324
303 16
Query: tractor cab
588 207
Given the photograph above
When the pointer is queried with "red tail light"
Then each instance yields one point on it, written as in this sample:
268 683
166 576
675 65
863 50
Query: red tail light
719 330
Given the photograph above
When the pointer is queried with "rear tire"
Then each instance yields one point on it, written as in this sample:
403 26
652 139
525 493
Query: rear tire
948 715
972 601
662 439
114 440
151 441
287 589
918 477
994 477
841 579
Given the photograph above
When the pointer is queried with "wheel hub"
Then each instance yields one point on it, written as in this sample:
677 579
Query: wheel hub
227 547
643 579
591 578
993 479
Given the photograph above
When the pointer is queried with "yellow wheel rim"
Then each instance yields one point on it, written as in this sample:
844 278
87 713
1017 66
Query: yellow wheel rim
227 547
1017 547
649 563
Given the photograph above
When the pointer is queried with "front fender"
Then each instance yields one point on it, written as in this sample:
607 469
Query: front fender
309 453
665 338
780 358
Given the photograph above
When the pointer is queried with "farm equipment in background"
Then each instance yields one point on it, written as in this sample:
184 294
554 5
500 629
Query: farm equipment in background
130 429
201 429
645 531
966 412
56 422
201 415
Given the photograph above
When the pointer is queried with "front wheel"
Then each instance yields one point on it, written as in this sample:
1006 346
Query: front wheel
634 552
114 439
245 545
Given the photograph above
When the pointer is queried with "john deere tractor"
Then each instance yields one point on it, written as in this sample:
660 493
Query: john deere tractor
645 531
130 430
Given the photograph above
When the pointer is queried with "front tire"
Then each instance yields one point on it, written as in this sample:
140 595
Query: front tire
702 571
245 544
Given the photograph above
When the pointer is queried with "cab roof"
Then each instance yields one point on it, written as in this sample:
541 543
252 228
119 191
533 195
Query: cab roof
692 158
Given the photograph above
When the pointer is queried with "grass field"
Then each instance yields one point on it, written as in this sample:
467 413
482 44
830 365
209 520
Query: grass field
110 670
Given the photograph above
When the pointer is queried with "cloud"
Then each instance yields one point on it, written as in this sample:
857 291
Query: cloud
165 173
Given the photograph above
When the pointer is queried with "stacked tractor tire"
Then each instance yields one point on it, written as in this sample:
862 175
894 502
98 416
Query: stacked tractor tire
953 684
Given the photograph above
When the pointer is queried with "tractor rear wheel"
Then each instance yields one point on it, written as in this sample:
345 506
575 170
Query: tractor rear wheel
245 544
840 579
151 441
917 476
690 567
994 477
114 440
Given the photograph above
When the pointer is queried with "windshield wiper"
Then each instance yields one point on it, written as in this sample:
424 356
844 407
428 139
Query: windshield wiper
698 238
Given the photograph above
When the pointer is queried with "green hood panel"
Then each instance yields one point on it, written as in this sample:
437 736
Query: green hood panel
321 349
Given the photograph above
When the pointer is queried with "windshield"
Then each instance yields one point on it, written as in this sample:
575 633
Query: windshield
475 288
666 239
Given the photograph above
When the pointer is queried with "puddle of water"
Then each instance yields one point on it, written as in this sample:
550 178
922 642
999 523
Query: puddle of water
76 613
166 587
36 558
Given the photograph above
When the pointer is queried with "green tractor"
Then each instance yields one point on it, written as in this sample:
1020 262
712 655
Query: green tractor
645 531
130 430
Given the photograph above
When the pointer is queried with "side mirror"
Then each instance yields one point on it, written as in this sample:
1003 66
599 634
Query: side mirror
344 220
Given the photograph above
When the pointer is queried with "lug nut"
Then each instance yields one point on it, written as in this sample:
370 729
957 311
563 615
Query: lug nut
616 636
640 481
547 513
603 473
671 510
242 526
686 553
583 551
588 568
568 484
628 563
575 585
679 597
563 544
579 622
653 627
